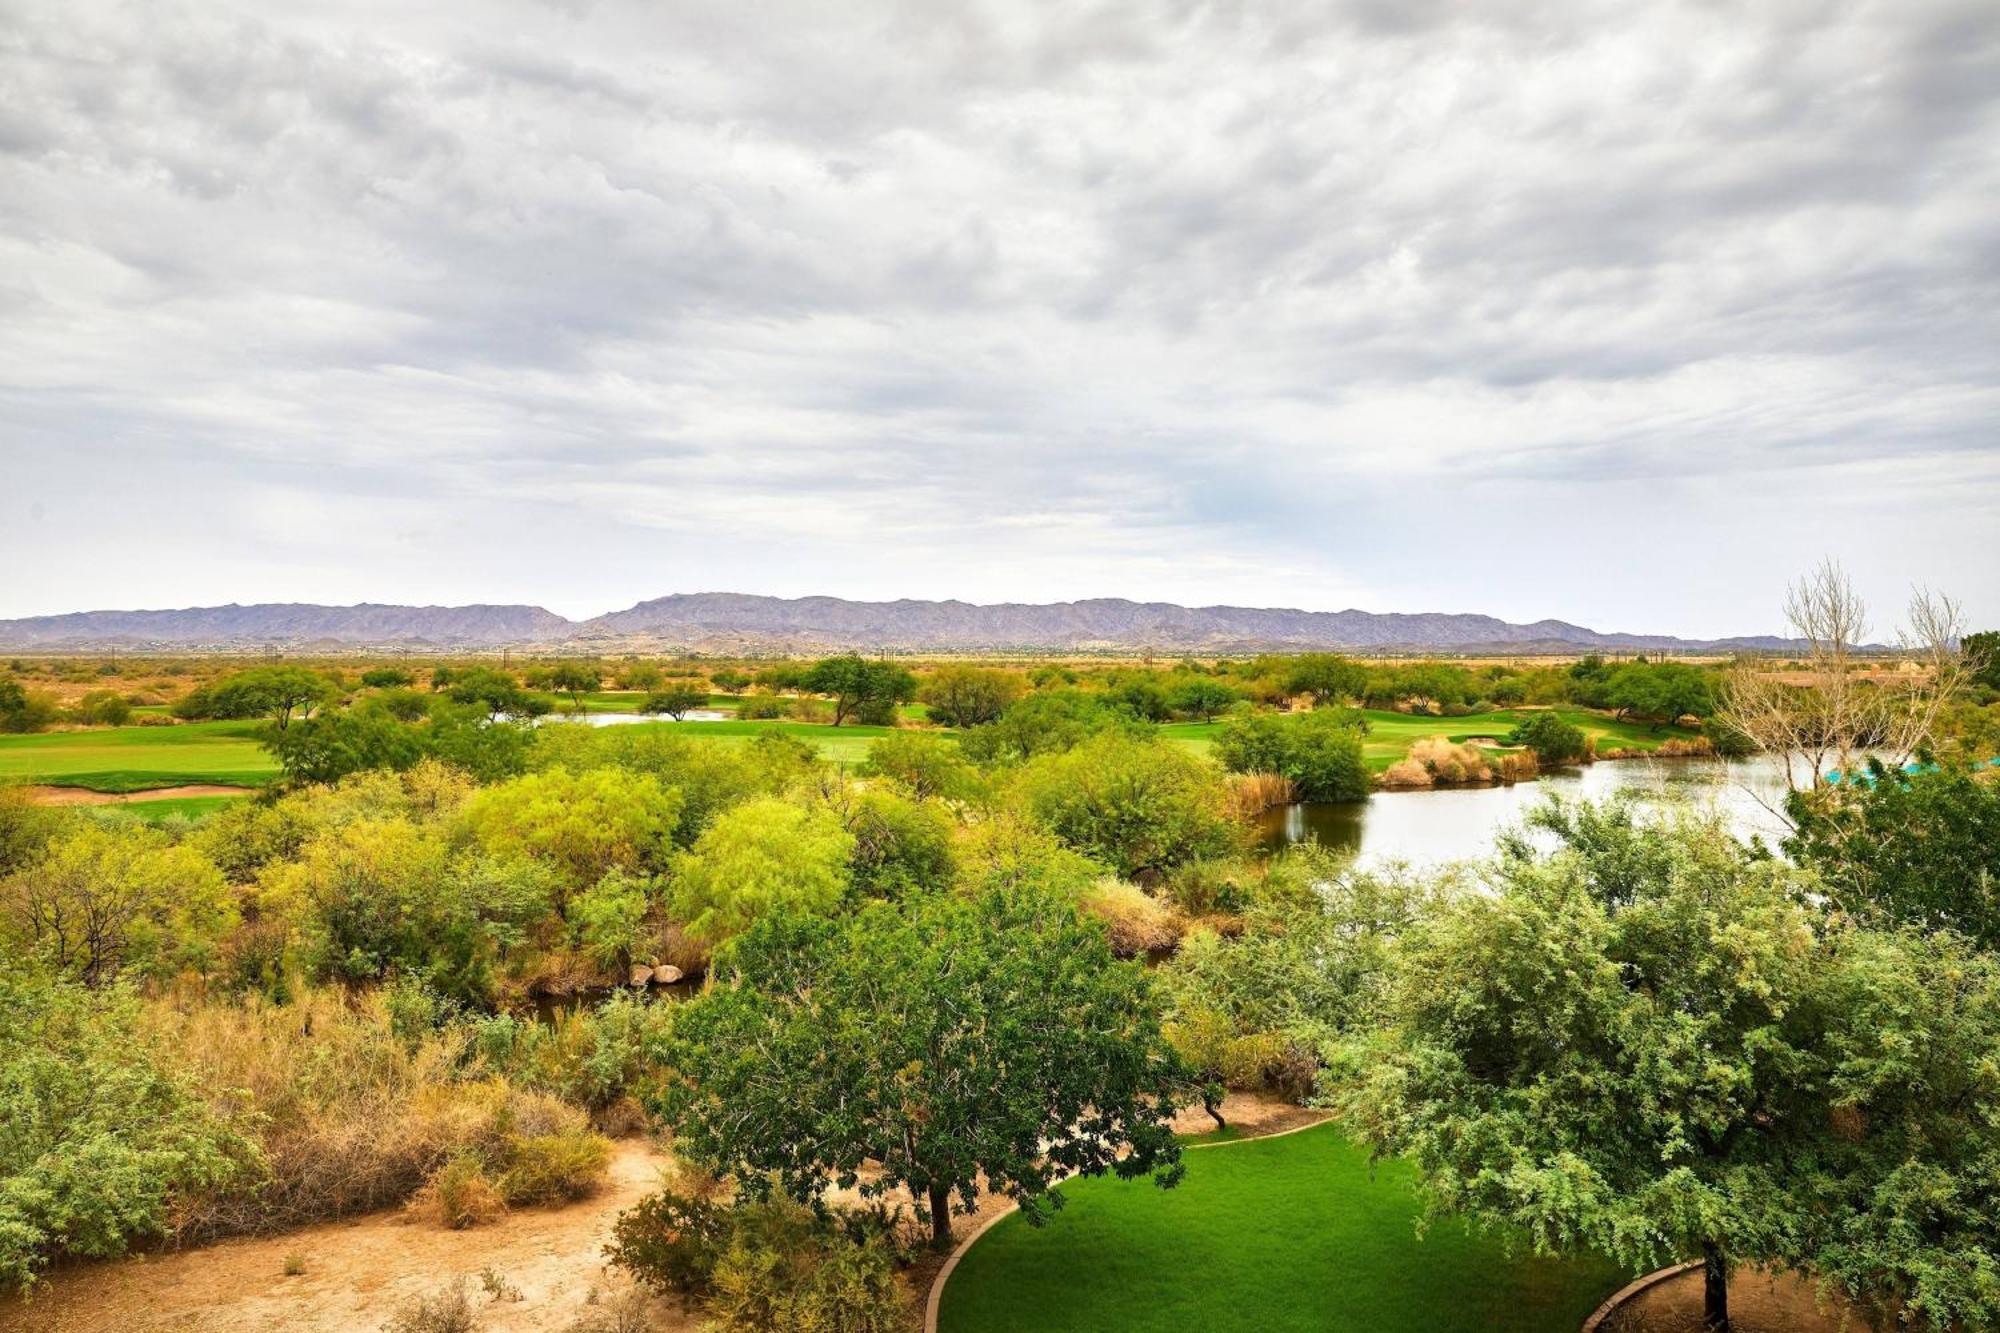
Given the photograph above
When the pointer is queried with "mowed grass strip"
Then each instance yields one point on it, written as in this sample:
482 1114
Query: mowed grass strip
128 759
1297 1232
847 744
1390 735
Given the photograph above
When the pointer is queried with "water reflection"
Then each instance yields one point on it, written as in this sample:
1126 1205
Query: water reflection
620 719
1459 823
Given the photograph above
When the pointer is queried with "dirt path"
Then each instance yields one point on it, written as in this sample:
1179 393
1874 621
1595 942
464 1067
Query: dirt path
84 796
358 1272
1759 1302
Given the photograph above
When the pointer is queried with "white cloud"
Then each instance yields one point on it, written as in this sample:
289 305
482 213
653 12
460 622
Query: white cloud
1400 305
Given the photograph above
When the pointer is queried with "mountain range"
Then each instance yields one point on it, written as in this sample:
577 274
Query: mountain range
742 623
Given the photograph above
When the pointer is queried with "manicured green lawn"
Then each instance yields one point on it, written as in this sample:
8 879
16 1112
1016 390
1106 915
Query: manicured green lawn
1390 735
846 744
193 807
1298 1232
122 759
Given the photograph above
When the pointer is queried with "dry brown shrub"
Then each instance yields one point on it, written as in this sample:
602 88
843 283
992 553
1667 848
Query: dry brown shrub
1251 794
349 1117
1136 922
1406 773
458 1195
1449 763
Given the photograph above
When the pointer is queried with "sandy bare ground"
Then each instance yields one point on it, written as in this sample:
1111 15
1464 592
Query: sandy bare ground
80 796
358 1272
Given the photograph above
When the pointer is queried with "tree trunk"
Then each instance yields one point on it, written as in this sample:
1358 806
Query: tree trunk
940 1215
1715 1288
1211 1102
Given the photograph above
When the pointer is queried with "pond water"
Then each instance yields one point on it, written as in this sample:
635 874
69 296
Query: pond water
619 719
1459 823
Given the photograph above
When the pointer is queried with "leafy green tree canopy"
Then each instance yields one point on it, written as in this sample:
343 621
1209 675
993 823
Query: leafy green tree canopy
948 1040
958 695
1652 1043
856 683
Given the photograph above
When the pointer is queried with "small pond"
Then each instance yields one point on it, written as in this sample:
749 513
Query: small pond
1458 823
619 719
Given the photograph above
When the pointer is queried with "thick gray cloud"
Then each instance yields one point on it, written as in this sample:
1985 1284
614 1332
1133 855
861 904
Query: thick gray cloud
1618 313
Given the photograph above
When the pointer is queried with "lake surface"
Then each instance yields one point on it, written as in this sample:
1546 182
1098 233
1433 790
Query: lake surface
1459 823
620 719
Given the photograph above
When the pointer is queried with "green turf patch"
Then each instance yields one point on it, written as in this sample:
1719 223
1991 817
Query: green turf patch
1296 1232
128 759
170 807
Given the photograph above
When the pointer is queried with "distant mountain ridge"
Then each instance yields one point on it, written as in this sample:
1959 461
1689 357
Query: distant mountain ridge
723 621
286 623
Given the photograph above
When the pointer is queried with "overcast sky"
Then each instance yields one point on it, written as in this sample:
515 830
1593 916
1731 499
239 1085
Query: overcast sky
1622 313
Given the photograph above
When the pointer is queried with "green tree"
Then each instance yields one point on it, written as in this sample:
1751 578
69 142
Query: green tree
958 695
575 679
1982 655
762 856
387 678
639 676
100 900
1202 697
334 744
1658 692
946 1041
1328 677
499 694
22 709
1553 740
677 700
1651 1043
278 693
1919 849
854 683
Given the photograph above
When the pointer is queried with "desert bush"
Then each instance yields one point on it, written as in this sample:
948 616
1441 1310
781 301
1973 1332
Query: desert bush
1209 888
761 855
927 765
448 1310
97 899
832 1286
761 706
458 1195
672 1241
1138 806
900 845
548 1168
1320 751
592 1058
764 1265
101 1137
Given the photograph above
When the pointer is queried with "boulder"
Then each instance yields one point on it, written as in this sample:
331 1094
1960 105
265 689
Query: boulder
667 975
641 976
